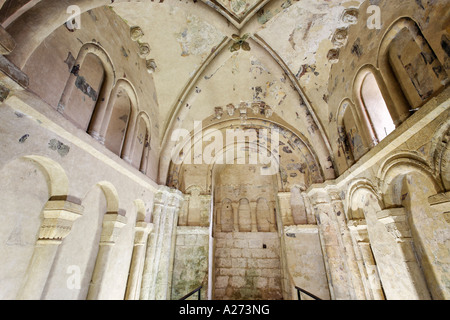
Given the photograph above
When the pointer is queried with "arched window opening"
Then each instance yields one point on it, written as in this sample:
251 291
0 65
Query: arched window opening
119 121
415 65
83 99
376 108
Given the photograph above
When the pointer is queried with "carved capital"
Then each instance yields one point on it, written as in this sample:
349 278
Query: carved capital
112 225
319 197
59 216
396 223
358 228
142 230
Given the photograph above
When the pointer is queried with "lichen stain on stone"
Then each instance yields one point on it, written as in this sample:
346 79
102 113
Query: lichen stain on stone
58 146
357 49
124 52
24 138
264 16
198 37
81 84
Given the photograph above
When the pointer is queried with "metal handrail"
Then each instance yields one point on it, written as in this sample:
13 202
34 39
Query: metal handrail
307 293
193 292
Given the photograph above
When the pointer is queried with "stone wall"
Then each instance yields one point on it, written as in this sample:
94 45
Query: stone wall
191 262
305 262
247 266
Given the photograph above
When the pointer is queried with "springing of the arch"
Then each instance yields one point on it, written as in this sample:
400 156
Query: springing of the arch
111 195
398 165
57 181
140 210
352 189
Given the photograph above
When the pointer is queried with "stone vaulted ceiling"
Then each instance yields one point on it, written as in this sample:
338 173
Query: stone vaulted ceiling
215 53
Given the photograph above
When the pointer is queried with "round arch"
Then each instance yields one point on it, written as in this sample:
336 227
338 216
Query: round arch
296 138
57 181
396 167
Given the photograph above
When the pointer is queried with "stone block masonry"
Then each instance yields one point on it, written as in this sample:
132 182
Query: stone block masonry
247 266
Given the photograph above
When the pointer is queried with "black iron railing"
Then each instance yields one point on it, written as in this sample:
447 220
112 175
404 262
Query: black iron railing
199 290
300 290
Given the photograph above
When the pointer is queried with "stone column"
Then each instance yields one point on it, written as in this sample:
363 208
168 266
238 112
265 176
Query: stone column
311 219
253 216
396 224
145 154
366 261
347 244
217 220
142 230
284 199
111 228
273 218
129 142
157 276
59 216
235 206
103 126
334 254
184 212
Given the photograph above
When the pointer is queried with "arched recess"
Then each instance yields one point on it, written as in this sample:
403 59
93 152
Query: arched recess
408 183
244 216
265 218
308 165
86 94
409 67
140 146
320 141
74 264
440 154
274 164
120 117
398 165
196 215
225 220
373 105
27 184
350 140
398 279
